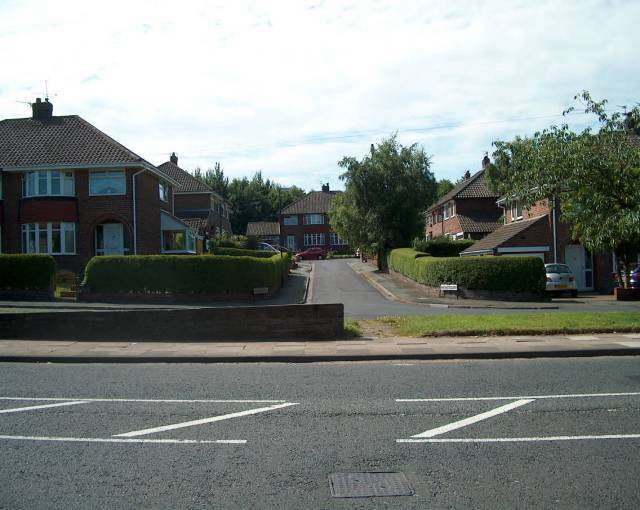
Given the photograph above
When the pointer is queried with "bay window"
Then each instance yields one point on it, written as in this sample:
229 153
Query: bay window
48 183
313 239
178 241
51 238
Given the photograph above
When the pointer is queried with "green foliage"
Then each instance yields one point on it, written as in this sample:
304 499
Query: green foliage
27 272
444 186
175 274
386 194
215 179
227 241
442 246
594 176
515 274
239 252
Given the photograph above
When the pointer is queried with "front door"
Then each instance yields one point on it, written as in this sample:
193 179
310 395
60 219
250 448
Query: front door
291 243
113 239
581 264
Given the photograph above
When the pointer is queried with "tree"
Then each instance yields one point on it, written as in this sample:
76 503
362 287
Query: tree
215 179
386 194
444 187
594 176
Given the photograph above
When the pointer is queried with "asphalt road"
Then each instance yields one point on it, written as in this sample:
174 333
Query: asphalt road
334 281
346 418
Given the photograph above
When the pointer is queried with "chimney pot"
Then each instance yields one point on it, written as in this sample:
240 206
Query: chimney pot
325 188
42 111
467 175
485 161
173 158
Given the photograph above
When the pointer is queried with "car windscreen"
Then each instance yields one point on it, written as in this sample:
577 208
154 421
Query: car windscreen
557 268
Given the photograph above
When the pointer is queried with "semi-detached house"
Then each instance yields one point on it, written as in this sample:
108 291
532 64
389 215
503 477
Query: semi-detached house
70 190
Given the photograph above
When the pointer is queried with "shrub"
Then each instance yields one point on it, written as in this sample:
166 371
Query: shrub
514 274
175 274
239 252
442 246
225 240
27 272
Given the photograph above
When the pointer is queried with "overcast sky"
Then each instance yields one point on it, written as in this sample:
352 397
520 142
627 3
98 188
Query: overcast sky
290 87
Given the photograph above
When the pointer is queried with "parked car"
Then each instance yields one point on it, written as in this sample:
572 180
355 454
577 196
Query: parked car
560 279
312 253
634 280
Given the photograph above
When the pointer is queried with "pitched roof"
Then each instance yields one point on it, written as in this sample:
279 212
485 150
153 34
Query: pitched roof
502 235
198 225
188 183
263 228
313 202
475 186
66 140
469 224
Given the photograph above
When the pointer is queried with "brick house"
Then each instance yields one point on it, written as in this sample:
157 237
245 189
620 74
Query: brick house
305 223
468 211
535 232
70 190
197 204
265 231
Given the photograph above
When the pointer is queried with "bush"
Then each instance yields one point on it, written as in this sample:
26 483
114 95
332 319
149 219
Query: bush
442 246
238 252
27 272
175 274
514 274
227 241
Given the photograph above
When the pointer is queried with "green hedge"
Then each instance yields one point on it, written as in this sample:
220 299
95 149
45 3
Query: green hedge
240 252
514 274
175 274
27 272
442 246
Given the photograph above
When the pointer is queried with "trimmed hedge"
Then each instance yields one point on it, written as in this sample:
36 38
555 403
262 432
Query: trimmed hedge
176 274
27 272
241 252
442 246
513 274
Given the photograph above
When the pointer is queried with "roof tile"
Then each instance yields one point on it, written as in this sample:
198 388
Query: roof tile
313 202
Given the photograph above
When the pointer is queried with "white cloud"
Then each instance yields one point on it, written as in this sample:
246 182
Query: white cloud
290 87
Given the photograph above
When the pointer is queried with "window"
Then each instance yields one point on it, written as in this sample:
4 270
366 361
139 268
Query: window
178 240
449 210
107 182
516 210
51 238
291 220
48 183
314 219
336 239
163 191
313 239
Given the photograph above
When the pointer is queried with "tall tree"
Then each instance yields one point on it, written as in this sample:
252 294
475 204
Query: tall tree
386 194
594 176
214 178
444 187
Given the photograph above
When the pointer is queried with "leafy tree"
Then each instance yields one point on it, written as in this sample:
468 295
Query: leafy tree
386 194
594 176
444 187
215 179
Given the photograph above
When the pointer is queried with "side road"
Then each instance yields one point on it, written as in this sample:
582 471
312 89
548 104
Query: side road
315 351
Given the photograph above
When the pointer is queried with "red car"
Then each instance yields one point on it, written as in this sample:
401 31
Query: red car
312 253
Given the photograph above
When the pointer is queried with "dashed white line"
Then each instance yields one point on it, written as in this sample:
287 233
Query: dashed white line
113 440
471 420
518 439
531 397
44 406
202 421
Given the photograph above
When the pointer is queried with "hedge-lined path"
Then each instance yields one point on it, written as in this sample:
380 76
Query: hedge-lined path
369 294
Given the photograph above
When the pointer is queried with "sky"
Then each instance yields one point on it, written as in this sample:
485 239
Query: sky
291 87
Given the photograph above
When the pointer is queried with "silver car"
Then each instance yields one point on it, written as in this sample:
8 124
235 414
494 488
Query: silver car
560 279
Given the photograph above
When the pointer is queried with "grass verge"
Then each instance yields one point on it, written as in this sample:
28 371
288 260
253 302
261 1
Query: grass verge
352 328
515 324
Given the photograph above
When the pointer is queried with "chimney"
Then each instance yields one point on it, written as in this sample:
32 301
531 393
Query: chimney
42 111
173 158
467 175
325 188
485 161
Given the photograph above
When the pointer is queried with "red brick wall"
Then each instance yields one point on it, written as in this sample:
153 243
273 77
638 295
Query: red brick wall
301 229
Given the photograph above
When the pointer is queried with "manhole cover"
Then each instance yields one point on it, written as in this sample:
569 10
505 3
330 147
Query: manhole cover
363 485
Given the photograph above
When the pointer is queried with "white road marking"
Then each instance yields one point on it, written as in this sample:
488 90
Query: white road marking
581 338
532 397
204 420
518 439
630 344
112 440
632 335
471 420
151 400
45 406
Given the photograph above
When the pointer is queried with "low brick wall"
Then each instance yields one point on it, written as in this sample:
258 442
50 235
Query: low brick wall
304 322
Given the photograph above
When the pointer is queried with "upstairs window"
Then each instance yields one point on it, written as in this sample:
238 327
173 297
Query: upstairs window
291 220
163 190
107 182
314 219
516 210
44 183
449 210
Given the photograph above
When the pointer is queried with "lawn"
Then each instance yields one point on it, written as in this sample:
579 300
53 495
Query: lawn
515 324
